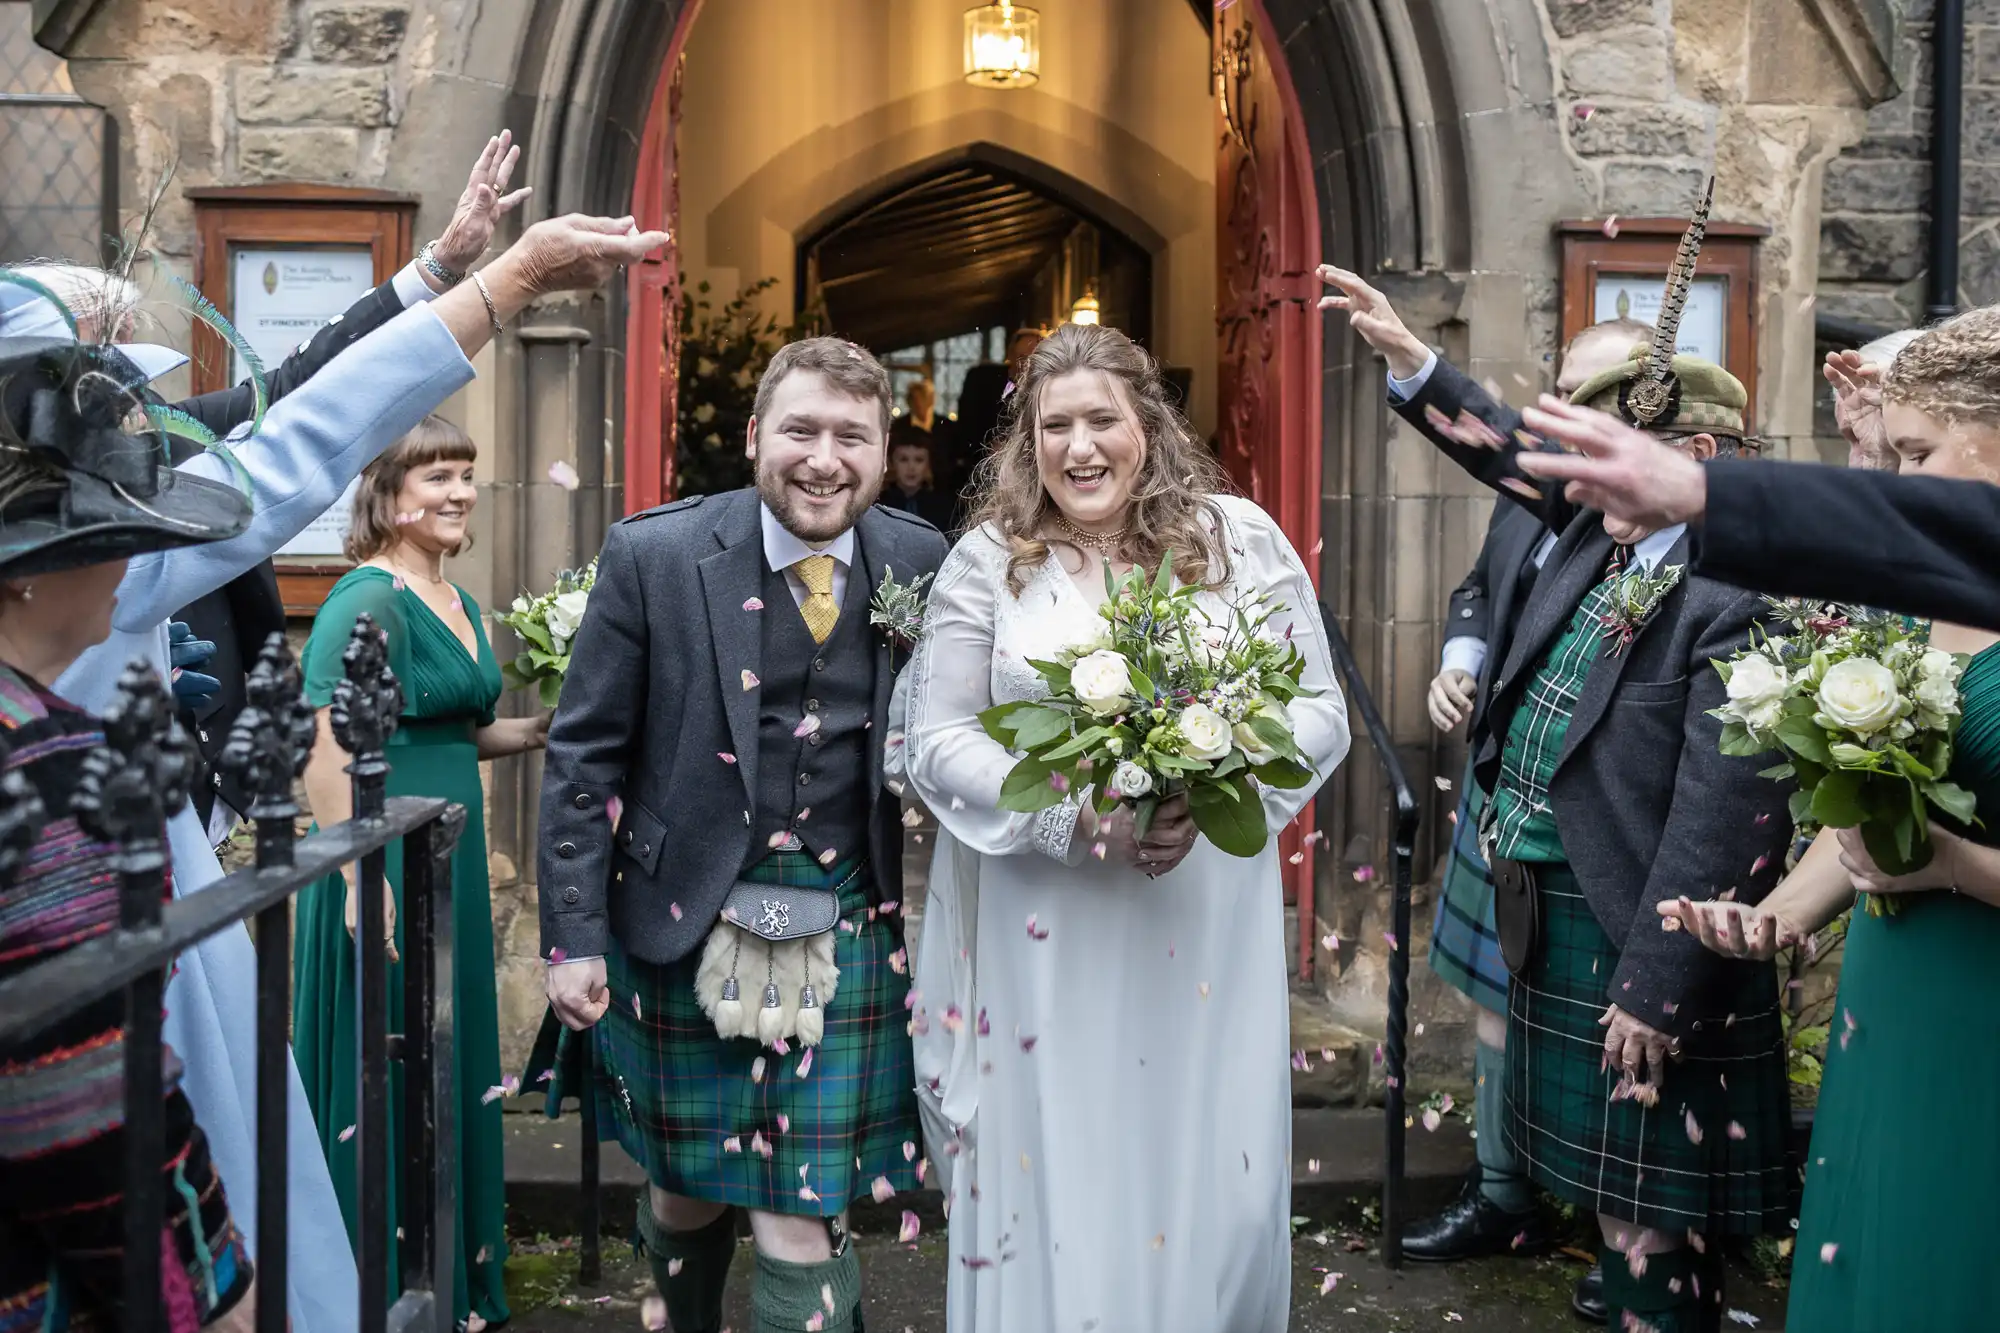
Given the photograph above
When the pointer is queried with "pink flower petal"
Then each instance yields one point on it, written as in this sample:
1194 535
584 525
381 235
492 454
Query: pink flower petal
982 1027
1693 1129
909 1150
492 1095
760 1145
344 1135
653 1314
757 1070
754 604
674 910
725 756
882 1190
614 809
1329 1282
1827 1251
911 1226
814 1321
1028 1044
807 726
558 954
1362 874
784 1123
635 1006
1610 227
781 1046
750 681
734 1143
827 857
563 475
1737 1132
806 1062
1036 932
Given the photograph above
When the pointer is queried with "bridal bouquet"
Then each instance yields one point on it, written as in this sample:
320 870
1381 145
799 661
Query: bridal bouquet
547 627
1864 711
1165 700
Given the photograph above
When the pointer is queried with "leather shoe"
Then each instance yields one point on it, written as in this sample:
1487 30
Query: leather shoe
1472 1226
1588 1300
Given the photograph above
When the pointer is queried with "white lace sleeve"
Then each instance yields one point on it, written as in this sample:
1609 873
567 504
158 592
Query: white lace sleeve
955 768
1265 562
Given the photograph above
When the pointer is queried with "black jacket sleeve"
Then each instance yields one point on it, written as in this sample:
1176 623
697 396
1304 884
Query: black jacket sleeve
1924 546
225 409
1441 409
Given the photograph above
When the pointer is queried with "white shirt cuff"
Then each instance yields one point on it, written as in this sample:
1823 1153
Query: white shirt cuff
1464 653
1402 391
411 289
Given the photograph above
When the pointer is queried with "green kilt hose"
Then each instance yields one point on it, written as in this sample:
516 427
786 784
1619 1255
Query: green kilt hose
1465 943
1711 1156
732 1121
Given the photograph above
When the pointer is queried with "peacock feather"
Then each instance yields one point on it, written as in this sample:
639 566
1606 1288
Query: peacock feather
202 309
173 421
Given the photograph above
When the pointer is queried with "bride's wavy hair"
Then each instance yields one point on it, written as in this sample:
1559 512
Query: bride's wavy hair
1177 473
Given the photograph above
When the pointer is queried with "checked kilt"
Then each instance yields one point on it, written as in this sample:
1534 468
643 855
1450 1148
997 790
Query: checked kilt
733 1122
1621 1158
1465 943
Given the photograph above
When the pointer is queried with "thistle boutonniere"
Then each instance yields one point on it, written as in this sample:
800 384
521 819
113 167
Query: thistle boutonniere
897 609
1635 596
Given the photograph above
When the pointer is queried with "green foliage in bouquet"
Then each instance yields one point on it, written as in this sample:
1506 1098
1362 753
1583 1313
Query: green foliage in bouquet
1165 700
722 356
546 626
1865 713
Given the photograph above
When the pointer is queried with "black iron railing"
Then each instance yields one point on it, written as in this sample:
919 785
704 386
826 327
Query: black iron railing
132 784
1394 1042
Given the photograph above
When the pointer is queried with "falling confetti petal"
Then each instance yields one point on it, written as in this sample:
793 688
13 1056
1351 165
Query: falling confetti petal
814 1321
1390 937
882 1190
1296 857
1743 1317
1312 1166
784 1123
1693 1129
982 1027
557 955
1760 863
1737 1132
674 910
754 604
760 1145
397 583
492 1094
1362 874
1584 111
653 1313
1160 1241
1028 1044
806 1062
635 1007
1610 227
1432 1119
912 818
909 1151
563 475
734 1143
725 756
1827 1251
1330 942
345 1134
899 962
911 1226
750 681
485 1254
826 858
1443 783
1036 932
1203 988
807 725
757 1070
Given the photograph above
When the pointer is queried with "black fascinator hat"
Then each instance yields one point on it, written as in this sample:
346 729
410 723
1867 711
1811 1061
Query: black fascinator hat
85 471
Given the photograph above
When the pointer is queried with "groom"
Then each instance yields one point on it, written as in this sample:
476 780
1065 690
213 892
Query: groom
724 722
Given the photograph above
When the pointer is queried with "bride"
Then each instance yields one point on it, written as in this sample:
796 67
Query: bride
1101 1019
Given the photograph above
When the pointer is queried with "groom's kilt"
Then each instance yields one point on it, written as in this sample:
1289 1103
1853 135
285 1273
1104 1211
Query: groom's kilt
688 1105
1621 1158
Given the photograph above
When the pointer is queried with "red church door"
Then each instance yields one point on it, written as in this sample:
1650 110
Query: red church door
1267 323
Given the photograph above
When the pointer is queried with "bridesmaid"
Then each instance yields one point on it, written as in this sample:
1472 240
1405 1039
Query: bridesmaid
1895 1230
412 509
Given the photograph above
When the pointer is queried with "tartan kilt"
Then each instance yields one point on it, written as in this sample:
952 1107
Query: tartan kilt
1465 942
1623 1159
690 1107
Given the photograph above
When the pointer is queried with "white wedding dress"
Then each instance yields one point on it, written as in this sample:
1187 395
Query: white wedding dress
1102 1059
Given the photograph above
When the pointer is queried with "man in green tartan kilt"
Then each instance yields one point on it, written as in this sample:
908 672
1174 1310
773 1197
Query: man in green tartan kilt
720 865
1646 1079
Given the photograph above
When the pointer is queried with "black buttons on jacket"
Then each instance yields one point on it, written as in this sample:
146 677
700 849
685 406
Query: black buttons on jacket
805 779
572 895
568 850
582 801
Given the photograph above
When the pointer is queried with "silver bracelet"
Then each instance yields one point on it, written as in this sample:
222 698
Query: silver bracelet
492 311
427 260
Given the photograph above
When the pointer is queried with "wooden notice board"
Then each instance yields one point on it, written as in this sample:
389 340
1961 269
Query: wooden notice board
1621 269
280 261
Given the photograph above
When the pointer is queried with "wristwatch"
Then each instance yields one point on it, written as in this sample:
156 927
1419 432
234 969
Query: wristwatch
428 260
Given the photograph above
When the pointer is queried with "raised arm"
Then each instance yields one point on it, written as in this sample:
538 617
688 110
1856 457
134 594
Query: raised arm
1470 426
955 767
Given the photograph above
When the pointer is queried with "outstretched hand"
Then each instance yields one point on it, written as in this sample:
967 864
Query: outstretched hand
485 201
1734 930
1620 471
1371 315
1857 410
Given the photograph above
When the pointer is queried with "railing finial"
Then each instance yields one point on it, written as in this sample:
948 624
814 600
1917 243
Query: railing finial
367 701
269 744
139 776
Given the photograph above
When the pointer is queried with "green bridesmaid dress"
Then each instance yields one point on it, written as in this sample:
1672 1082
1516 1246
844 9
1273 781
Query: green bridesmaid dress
1903 1175
446 695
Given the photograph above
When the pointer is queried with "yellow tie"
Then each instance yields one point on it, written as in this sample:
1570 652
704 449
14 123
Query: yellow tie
819 609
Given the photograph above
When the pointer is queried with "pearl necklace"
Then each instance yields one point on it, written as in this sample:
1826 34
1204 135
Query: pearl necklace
1105 544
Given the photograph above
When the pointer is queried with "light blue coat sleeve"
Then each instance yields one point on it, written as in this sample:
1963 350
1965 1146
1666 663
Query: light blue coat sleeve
313 442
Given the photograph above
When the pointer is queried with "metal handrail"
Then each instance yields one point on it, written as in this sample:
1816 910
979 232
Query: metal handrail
1361 700
139 777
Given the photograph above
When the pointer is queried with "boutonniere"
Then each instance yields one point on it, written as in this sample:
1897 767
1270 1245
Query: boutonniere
1635 596
897 609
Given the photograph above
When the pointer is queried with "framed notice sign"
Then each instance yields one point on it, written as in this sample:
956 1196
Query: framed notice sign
281 261
1612 272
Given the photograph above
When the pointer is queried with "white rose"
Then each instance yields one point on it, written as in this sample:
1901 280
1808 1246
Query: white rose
565 614
1101 681
521 604
1206 734
1937 664
1757 691
1131 780
1253 745
1937 696
1860 695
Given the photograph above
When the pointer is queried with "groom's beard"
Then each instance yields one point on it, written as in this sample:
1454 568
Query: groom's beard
810 523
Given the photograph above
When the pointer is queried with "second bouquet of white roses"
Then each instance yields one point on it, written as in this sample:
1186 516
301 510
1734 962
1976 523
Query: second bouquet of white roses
547 627
1865 712
1167 699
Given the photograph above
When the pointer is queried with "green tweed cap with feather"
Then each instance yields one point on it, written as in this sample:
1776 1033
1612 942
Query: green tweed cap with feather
1658 389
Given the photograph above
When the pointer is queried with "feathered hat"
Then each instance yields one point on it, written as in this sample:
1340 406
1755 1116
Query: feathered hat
86 472
1658 389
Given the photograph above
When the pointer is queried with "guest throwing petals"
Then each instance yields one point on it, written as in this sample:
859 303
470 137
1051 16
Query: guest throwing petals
1899 1184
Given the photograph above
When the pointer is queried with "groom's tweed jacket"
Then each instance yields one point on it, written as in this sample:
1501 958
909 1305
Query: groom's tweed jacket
1646 804
657 695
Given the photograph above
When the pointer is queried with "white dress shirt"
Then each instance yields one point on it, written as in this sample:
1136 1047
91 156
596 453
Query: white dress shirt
783 549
